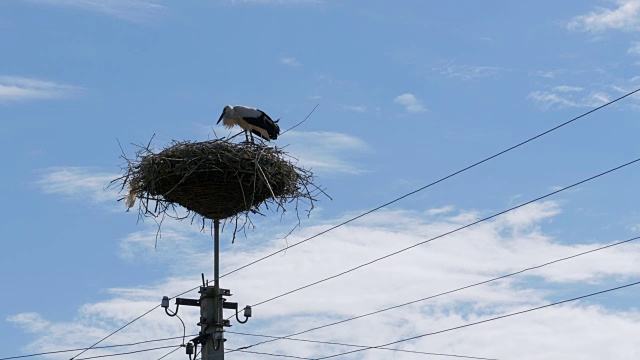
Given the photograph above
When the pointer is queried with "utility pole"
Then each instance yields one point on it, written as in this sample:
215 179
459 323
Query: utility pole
212 302
211 305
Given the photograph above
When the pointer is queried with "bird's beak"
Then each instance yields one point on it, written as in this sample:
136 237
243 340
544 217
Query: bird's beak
220 119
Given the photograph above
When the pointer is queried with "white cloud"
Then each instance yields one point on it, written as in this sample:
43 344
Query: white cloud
78 183
529 215
290 61
410 103
575 330
634 49
566 88
468 72
564 97
546 74
598 98
13 88
441 210
625 17
633 228
132 10
326 152
177 240
547 100
601 88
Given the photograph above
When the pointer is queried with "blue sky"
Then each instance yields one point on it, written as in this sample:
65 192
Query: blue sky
408 92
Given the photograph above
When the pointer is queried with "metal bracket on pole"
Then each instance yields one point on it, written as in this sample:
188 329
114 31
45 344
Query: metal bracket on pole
188 302
230 305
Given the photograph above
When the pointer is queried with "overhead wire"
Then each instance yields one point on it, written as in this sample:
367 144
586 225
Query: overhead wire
170 352
381 206
484 321
96 348
444 234
360 346
127 324
275 355
127 353
267 354
449 291
432 183
112 333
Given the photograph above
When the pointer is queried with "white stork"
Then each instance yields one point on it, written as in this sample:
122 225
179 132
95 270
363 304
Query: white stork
253 121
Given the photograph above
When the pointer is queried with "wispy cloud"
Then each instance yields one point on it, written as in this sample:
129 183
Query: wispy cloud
468 72
480 253
567 88
289 61
634 48
547 74
625 17
565 96
327 152
441 210
13 88
131 10
410 103
79 183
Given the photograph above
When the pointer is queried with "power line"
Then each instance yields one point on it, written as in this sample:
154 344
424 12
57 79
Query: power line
444 234
433 183
127 324
380 207
95 347
450 291
170 352
359 346
276 355
127 353
483 321
268 354
386 204
120 328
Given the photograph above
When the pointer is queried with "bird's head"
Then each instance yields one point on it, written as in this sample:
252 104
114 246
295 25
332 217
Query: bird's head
227 110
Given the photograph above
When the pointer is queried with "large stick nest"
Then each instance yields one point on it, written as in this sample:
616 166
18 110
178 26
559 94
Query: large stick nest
216 179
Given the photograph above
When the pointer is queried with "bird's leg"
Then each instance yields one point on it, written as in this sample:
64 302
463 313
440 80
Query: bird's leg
246 136
251 134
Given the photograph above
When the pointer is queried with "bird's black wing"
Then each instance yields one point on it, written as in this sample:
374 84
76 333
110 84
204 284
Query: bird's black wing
266 116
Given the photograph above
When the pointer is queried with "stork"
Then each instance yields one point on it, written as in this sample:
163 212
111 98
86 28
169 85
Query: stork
253 121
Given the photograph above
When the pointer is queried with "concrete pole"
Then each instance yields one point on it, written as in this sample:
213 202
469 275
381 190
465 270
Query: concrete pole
211 307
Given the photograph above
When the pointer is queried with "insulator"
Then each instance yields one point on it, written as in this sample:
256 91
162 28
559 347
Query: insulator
247 311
